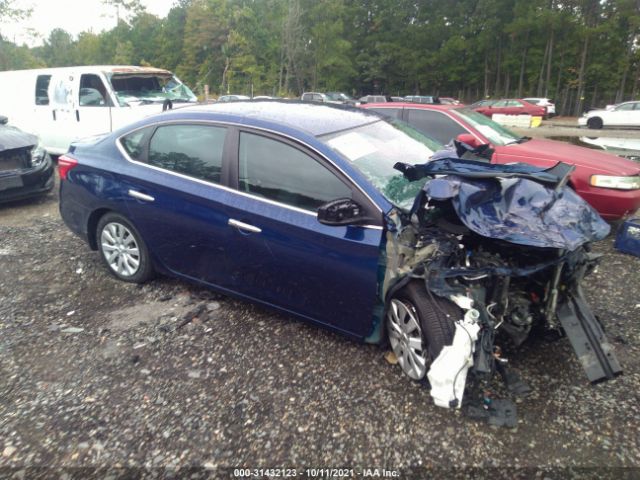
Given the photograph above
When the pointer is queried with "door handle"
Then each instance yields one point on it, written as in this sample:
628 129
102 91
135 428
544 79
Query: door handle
141 196
243 226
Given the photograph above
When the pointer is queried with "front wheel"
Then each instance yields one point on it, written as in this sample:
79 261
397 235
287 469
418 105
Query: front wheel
419 325
594 123
122 249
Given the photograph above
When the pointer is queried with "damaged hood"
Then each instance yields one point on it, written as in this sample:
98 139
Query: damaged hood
516 203
11 138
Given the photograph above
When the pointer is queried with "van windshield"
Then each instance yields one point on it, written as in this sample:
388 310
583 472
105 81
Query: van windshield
132 89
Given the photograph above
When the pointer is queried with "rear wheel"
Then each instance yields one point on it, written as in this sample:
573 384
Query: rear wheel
419 325
594 122
122 249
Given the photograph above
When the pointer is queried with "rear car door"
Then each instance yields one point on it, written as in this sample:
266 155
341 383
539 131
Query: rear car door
281 254
176 197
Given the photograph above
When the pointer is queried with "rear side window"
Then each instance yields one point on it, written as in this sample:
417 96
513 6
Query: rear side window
193 150
133 143
275 170
42 89
388 112
434 124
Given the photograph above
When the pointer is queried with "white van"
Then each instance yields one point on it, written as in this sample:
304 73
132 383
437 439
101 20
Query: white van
61 105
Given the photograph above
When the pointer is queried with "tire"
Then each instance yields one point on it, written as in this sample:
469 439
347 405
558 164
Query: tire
122 249
595 123
419 325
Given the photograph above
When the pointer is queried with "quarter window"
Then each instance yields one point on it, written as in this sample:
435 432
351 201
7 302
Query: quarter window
193 150
277 171
133 143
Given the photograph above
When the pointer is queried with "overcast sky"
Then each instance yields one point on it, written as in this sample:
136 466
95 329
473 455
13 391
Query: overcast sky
74 16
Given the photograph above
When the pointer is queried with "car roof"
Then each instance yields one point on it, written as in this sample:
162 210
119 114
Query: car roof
317 119
426 106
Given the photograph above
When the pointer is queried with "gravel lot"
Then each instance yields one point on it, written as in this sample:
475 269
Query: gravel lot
173 377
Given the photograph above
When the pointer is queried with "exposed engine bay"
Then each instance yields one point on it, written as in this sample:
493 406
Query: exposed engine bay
509 245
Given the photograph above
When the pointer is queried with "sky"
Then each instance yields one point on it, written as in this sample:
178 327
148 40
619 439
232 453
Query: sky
74 16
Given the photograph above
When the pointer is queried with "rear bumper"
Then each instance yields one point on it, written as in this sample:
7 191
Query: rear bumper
28 183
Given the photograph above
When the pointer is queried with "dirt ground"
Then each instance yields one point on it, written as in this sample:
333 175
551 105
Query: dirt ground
104 379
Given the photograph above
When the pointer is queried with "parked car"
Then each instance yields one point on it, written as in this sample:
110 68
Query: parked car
512 106
625 114
233 98
314 97
26 169
543 102
320 211
341 97
450 101
482 103
421 99
374 99
609 183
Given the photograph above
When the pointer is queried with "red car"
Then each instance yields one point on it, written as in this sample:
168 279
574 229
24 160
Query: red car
609 183
512 106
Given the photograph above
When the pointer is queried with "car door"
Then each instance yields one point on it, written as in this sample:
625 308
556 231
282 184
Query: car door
176 197
282 255
635 115
622 115
93 111
515 107
62 93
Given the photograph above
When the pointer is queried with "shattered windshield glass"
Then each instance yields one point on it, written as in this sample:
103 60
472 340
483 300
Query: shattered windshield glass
131 89
376 147
496 133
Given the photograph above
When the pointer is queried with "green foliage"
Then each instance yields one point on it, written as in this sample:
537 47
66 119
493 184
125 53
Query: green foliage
466 48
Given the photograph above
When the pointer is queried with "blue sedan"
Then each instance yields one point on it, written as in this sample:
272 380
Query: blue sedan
318 211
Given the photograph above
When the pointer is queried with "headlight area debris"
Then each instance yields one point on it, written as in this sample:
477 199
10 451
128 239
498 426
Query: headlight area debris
508 246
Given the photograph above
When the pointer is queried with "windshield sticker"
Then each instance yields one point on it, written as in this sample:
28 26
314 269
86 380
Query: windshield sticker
353 145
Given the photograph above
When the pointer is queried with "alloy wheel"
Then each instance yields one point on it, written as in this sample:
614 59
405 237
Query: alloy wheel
405 336
120 249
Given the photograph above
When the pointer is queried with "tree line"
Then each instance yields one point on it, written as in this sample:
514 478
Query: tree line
582 53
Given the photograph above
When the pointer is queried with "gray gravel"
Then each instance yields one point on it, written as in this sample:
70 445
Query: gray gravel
95 372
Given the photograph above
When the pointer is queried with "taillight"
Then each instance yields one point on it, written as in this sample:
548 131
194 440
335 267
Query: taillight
65 164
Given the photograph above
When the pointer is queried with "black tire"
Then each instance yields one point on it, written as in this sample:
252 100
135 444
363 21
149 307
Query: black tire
595 123
436 317
126 269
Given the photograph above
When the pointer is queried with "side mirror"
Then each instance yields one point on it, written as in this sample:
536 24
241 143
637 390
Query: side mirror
468 139
3 120
342 211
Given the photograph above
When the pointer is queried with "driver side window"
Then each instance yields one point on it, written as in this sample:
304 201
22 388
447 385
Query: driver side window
277 171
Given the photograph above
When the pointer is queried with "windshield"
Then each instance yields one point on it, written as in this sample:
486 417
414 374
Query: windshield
376 147
496 133
149 88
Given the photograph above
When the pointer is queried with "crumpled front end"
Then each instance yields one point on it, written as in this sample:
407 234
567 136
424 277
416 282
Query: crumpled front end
509 245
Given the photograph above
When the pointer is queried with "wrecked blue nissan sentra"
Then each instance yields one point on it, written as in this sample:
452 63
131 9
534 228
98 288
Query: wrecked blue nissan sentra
347 220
